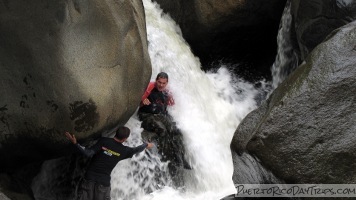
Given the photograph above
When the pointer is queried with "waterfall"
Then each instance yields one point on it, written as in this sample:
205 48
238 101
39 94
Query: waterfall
287 59
208 108
248 169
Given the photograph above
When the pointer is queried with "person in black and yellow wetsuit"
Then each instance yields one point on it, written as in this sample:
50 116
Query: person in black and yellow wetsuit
106 153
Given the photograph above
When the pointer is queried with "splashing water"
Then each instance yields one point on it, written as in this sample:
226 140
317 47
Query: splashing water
208 108
287 59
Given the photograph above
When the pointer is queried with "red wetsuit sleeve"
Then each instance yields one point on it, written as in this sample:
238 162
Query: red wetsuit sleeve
149 88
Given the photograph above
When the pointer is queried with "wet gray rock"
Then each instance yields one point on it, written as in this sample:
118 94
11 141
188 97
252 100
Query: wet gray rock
305 131
162 131
67 65
315 19
78 66
3 196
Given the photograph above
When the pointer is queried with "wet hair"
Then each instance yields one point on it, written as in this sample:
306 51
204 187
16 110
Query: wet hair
162 75
122 132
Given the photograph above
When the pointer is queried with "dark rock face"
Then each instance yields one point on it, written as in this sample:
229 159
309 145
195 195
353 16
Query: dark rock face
315 19
59 178
304 133
236 31
161 130
67 65
3 196
78 66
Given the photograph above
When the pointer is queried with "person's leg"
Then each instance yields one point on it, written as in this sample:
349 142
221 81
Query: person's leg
86 190
142 115
102 192
153 123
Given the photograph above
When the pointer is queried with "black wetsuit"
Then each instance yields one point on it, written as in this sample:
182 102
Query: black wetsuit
106 154
159 102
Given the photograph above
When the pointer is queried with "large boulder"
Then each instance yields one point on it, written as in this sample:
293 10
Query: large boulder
305 131
79 66
315 19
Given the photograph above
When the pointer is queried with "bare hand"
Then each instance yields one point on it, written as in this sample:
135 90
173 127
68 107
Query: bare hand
146 102
149 145
71 137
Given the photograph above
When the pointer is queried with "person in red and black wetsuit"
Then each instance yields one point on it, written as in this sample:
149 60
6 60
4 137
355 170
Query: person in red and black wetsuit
106 153
155 119
156 97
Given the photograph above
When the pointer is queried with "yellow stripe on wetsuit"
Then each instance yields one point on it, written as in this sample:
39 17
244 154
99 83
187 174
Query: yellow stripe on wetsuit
110 152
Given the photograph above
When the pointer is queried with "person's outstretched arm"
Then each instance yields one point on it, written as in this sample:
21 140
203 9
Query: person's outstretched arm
87 152
140 148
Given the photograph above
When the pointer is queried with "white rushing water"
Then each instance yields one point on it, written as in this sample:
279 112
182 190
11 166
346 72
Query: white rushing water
208 109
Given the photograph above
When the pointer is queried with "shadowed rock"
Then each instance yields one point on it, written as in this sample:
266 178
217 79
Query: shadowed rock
304 133
161 130
67 65
316 19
